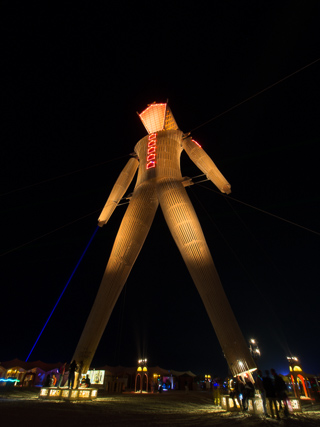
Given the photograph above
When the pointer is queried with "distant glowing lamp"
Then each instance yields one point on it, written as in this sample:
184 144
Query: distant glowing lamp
294 363
254 349
142 365
292 359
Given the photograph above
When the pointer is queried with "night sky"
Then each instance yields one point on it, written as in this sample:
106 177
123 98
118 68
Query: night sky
73 78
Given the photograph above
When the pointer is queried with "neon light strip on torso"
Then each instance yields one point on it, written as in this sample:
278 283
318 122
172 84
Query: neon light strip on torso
151 153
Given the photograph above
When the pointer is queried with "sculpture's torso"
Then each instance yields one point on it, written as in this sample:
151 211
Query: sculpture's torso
164 150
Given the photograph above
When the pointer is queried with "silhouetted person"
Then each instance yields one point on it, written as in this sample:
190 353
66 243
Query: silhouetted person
281 391
72 370
239 389
248 391
235 394
270 394
260 387
87 381
54 380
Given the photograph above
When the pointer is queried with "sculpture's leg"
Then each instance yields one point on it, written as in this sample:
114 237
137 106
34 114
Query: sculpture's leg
188 235
128 243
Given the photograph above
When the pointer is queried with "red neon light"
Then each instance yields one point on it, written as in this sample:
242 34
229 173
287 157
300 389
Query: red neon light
196 143
151 165
151 152
151 157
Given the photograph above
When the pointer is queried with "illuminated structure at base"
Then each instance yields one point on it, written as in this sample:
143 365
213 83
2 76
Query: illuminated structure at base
160 181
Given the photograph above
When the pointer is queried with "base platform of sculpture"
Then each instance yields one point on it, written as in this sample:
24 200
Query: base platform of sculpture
64 393
255 405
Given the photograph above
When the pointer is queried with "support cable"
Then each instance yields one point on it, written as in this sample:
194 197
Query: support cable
47 234
72 274
61 176
262 210
282 340
256 94
57 229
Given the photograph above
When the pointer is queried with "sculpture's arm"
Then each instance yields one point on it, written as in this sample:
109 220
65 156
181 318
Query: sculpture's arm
205 164
118 190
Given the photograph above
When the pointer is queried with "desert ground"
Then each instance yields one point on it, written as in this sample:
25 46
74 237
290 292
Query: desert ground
23 408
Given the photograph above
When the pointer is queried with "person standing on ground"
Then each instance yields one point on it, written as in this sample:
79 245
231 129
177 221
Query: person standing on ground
281 391
260 387
270 394
54 380
248 391
87 381
239 387
72 370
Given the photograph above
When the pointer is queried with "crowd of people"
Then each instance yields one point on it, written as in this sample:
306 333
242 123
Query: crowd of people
74 367
272 389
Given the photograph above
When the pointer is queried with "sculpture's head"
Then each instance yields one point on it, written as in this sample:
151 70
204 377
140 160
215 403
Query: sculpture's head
158 117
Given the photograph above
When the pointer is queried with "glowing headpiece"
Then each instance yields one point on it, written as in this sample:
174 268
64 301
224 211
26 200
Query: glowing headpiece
158 117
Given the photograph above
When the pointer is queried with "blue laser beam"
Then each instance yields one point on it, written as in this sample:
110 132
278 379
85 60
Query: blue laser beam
75 269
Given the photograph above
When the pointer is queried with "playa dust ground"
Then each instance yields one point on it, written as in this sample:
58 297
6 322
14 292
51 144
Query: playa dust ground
22 408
